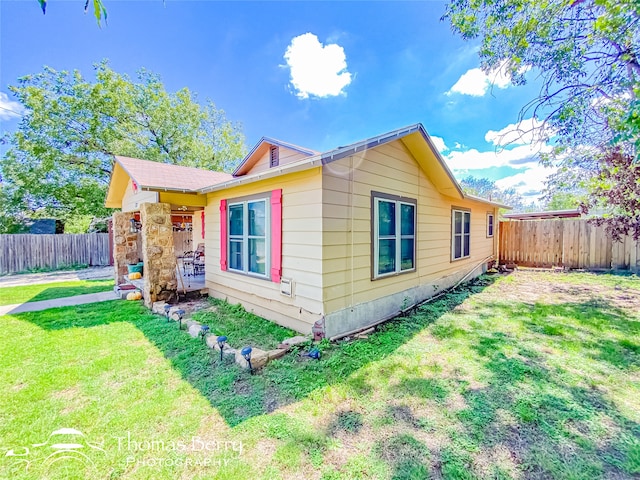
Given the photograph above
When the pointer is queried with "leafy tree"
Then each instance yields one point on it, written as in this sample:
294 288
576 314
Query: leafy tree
622 202
585 54
485 188
563 201
59 160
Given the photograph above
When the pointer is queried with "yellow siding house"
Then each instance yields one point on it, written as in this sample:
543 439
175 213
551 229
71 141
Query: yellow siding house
343 239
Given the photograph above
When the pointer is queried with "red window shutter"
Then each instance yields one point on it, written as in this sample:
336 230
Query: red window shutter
223 234
276 235
202 222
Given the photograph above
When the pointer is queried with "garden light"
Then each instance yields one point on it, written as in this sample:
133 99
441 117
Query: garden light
314 353
222 339
167 307
246 353
180 314
204 329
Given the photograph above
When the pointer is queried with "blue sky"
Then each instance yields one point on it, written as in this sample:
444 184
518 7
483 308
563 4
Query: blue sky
317 74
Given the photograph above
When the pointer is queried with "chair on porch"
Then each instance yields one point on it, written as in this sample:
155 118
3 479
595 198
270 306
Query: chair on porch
198 260
188 261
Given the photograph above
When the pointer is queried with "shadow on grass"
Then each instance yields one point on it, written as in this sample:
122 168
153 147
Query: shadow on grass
235 393
553 424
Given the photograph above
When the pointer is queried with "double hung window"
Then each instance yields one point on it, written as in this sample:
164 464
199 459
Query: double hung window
394 234
249 237
460 234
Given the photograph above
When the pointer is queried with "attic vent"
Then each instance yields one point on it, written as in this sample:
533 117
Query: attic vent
275 157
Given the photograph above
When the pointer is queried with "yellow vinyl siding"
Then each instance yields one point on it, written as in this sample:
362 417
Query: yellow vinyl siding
131 200
347 187
301 252
286 155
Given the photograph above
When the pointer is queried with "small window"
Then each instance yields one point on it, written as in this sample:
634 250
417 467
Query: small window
460 234
275 156
489 224
394 235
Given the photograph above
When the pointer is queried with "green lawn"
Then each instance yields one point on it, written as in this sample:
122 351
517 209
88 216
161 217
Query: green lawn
532 375
48 291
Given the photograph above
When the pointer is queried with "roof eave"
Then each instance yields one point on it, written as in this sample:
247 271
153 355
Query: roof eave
306 164
484 200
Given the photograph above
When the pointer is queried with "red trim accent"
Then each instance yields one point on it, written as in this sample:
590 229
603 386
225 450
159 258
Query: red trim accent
276 235
202 222
223 234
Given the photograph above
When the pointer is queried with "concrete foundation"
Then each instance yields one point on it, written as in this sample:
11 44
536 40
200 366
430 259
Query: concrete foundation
361 316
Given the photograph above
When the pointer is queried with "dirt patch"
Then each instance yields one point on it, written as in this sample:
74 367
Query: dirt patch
242 387
534 287
195 305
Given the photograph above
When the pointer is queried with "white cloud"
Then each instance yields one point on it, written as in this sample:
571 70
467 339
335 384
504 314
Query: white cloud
316 69
529 183
517 157
8 108
438 142
524 157
476 83
527 132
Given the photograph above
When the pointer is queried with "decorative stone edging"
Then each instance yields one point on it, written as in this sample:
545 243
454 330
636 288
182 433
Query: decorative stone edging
259 357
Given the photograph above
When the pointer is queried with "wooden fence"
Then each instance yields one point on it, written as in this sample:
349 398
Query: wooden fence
565 243
19 253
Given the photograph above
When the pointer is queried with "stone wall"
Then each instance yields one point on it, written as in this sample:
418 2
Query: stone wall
125 245
160 281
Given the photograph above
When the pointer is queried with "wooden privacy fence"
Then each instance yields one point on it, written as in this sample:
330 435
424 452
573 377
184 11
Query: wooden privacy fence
19 253
566 243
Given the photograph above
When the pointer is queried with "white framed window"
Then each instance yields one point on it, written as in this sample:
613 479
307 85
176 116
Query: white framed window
490 220
460 234
394 235
249 237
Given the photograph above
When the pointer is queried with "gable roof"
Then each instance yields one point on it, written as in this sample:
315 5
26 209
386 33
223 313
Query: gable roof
414 137
158 176
261 148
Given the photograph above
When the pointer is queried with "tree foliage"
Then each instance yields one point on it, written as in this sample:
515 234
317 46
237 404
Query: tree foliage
59 160
485 188
618 187
584 52
586 56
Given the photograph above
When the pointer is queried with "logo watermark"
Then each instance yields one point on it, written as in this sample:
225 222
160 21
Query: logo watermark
68 449
196 451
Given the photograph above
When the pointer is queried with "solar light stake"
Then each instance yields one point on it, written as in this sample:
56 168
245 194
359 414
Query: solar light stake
167 307
246 353
204 329
179 313
221 341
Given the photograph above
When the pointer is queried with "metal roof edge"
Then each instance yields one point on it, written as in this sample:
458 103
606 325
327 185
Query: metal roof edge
272 141
484 200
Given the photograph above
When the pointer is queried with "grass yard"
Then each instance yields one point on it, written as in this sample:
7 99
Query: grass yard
49 291
533 375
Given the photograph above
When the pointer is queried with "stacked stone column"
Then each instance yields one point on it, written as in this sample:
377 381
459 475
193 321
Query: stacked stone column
160 281
125 245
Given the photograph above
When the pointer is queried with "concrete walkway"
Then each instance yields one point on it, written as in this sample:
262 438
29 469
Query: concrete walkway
93 273
57 302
